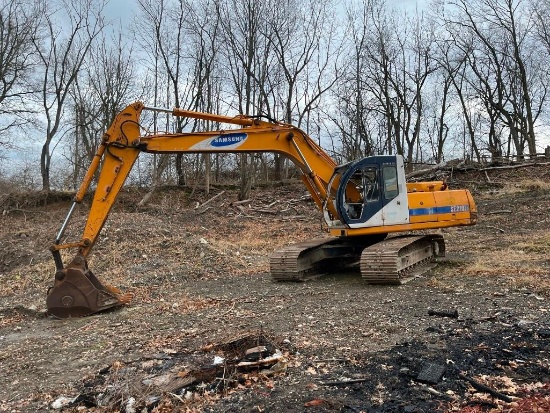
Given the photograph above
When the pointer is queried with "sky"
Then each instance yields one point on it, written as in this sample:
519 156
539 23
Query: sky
123 9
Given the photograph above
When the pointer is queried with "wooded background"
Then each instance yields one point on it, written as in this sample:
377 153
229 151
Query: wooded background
459 78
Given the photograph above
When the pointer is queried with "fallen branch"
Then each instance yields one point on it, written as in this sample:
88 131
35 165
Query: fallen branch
261 362
434 392
497 228
147 197
244 201
500 211
444 313
427 170
264 211
24 211
481 387
228 311
296 200
350 381
293 217
203 211
242 212
210 200
523 165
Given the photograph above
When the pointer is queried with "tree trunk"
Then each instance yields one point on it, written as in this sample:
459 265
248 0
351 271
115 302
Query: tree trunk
179 170
207 170
247 173
45 159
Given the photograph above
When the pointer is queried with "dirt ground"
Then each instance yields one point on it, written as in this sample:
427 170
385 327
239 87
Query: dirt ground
203 297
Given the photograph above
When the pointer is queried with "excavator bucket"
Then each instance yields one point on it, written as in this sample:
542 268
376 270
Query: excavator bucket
77 293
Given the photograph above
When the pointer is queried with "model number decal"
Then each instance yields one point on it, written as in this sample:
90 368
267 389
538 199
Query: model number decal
452 209
459 208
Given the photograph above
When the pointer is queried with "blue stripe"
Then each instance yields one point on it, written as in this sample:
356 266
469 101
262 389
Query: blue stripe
439 210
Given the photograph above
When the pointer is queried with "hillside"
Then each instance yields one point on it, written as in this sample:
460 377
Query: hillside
202 290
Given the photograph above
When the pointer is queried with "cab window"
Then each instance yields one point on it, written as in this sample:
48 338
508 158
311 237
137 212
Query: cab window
362 188
391 189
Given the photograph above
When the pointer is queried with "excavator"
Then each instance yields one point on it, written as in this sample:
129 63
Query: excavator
369 208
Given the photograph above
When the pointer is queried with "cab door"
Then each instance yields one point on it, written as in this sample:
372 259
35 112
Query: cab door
371 193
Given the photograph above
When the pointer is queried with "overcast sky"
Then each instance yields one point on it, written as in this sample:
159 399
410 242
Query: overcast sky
120 9
124 9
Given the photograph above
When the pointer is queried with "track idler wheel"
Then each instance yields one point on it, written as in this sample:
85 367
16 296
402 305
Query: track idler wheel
77 292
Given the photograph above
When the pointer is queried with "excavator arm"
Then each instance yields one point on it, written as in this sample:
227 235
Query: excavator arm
76 290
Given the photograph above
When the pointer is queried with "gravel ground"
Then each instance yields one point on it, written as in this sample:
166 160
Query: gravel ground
202 291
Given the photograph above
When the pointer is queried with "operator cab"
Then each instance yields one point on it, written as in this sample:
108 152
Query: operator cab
367 193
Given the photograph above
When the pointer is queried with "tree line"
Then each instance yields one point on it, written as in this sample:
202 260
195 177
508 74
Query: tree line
462 78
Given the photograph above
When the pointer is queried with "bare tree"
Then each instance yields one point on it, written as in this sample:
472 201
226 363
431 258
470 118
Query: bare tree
203 26
301 38
396 62
18 27
62 58
437 113
354 118
541 14
183 42
452 57
246 54
166 22
99 95
512 86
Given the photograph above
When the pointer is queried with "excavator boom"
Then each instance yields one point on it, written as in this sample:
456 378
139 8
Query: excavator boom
362 201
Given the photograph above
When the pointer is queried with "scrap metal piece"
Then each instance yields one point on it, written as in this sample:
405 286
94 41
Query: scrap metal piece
431 373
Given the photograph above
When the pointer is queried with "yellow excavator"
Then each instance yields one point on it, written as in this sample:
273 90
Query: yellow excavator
362 202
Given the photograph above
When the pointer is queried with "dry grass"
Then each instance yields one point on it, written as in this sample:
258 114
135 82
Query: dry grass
525 259
25 279
10 318
525 185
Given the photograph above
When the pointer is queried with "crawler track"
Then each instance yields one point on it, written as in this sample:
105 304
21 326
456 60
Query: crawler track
291 264
304 260
392 261
398 260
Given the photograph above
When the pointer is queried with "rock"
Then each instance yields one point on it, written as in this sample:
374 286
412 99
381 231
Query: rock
218 360
130 405
61 402
525 324
152 401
